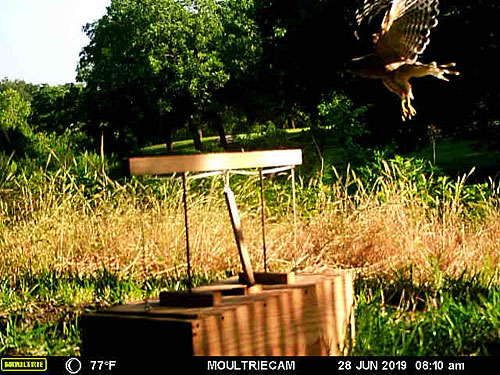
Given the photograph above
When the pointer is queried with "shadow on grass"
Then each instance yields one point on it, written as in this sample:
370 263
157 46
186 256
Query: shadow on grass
456 158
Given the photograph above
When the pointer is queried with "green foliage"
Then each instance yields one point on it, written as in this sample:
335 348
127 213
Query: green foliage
425 184
410 170
14 128
56 168
57 108
453 317
25 89
59 337
155 63
268 136
338 114
14 110
33 146
48 151
240 45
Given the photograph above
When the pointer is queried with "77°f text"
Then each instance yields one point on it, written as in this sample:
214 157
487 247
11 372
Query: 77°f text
249 365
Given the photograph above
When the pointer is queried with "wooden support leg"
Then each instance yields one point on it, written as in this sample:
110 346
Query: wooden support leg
238 235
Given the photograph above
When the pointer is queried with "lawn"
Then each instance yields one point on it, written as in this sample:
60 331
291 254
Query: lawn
459 157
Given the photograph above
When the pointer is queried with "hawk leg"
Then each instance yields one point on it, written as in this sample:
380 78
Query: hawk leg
439 71
407 109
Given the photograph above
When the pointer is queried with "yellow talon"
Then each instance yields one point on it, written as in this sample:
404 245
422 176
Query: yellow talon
407 109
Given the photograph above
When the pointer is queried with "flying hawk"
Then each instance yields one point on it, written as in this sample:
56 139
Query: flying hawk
402 37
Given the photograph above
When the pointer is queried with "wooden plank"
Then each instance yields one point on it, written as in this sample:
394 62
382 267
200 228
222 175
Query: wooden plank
329 332
270 278
153 310
193 299
211 340
244 330
238 235
160 165
231 290
344 307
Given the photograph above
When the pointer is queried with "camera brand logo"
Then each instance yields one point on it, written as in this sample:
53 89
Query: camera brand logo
20 364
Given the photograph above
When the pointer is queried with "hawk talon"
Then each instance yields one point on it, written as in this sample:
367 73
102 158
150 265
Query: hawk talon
407 108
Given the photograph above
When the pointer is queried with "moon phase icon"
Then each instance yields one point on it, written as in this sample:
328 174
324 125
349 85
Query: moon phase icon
73 365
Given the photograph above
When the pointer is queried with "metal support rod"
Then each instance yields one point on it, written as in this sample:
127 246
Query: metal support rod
184 198
263 218
294 213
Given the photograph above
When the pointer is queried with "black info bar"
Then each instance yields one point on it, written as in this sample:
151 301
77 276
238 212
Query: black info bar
247 365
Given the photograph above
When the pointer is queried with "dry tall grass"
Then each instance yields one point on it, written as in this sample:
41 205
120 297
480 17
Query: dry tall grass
137 235
381 239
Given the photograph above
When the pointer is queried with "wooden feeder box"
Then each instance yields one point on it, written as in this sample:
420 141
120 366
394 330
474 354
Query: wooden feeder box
255 313
310 316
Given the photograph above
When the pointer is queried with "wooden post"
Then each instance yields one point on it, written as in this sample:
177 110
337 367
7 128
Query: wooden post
238 235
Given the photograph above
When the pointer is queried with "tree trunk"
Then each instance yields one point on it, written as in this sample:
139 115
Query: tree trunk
165 132
169 143
196 135
222 133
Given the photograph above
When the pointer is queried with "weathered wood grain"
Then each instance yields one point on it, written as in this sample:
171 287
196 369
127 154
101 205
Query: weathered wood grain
312 316
161 165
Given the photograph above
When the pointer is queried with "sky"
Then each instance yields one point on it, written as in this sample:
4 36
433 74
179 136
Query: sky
40 40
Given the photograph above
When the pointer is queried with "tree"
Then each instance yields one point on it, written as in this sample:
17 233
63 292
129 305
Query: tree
154 66
151 65
305 45
14 112
240 50
57 108
469 33
26 90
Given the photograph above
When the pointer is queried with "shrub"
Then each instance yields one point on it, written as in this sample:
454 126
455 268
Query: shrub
420 182
14 129
338 114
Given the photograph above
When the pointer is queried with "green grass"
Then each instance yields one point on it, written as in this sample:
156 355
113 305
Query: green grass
40 313
454 158
185 146
458 157
459 316
290 137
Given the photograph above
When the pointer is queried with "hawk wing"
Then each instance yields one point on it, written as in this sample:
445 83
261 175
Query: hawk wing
370 9
405 30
